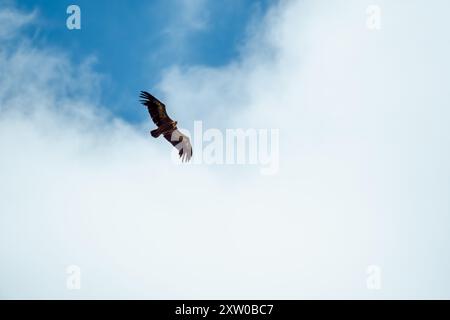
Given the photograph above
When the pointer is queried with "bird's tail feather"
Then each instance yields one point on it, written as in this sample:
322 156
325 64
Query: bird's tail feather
155 133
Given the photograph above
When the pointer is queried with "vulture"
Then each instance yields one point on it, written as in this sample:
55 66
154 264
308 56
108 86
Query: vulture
166 126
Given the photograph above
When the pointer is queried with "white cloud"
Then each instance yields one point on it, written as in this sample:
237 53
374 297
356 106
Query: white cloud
363 178
11 21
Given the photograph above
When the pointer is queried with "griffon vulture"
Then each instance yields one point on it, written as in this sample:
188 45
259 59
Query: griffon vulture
166 126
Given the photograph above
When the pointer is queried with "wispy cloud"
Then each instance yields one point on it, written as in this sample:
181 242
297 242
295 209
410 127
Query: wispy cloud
11 22
184 20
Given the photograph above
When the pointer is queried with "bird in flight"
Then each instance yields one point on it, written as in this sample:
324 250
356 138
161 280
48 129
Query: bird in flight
166 126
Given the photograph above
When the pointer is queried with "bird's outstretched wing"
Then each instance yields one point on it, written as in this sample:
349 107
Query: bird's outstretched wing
156 108
182 143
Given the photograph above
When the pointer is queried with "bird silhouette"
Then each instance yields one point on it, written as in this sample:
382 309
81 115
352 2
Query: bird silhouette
166 126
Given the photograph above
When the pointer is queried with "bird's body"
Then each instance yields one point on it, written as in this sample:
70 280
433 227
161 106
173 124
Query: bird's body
166 126
164 129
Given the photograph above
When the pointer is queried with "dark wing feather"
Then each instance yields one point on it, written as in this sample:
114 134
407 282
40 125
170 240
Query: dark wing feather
181 142
156 108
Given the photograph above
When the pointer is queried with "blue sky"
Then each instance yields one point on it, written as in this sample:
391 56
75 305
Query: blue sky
135 41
